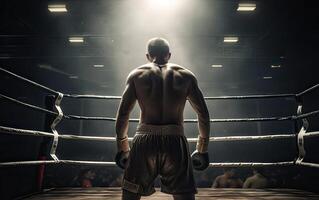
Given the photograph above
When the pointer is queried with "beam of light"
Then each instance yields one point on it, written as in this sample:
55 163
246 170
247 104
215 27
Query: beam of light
161 4
76 39
53 69
246 7
230 39
267 77
57 8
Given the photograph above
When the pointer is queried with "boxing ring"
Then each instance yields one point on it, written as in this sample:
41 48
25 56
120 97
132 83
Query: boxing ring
57 115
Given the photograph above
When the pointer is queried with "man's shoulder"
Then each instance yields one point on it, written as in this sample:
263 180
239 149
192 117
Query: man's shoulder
182 70
138 71
146 66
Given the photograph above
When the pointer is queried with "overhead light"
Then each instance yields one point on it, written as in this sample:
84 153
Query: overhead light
275 66
76 39
217 66
73 77
246 7
267 77
98 66
57 8
230 39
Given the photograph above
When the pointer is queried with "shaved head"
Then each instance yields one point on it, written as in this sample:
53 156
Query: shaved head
158 48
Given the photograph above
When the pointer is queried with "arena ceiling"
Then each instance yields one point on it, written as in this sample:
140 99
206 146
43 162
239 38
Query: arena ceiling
275 53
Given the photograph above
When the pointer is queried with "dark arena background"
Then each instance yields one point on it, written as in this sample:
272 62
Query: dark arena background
256 63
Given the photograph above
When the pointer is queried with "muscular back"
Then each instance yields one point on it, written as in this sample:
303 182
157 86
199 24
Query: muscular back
161 93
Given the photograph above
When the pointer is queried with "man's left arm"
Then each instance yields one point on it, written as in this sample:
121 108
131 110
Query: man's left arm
126 106
122 122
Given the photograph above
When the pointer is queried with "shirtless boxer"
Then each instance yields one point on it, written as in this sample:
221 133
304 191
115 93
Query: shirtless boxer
159 147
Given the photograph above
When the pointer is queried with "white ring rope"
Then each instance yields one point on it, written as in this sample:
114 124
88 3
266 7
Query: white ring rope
251 164
92 96
300 136
307 90
75 117
102 163
118 97
312 134
16 131
308 164
29 81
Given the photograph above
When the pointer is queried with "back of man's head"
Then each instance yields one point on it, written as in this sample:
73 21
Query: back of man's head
158 48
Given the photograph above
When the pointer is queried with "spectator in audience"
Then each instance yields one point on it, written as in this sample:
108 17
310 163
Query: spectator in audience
228 180
258 180
86 177
118 181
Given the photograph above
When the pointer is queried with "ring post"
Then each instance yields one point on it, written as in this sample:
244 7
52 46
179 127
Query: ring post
53 125
301 133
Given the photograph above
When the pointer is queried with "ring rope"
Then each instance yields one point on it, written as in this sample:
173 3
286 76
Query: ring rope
119 97
308 164
76 117
91 96
307 90
103 163
312 134
305 115
206 98
29 81
285 118
16 131
301 134
28 105
258 96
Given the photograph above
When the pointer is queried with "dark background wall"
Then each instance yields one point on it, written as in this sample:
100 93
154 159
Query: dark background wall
34 44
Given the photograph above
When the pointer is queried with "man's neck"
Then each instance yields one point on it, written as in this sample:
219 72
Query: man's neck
160 64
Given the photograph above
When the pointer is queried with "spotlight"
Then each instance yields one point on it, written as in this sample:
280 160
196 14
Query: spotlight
57 8
230 39
246 7
275 66
76 39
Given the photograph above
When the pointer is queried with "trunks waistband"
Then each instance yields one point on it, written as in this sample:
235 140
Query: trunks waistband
160 129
